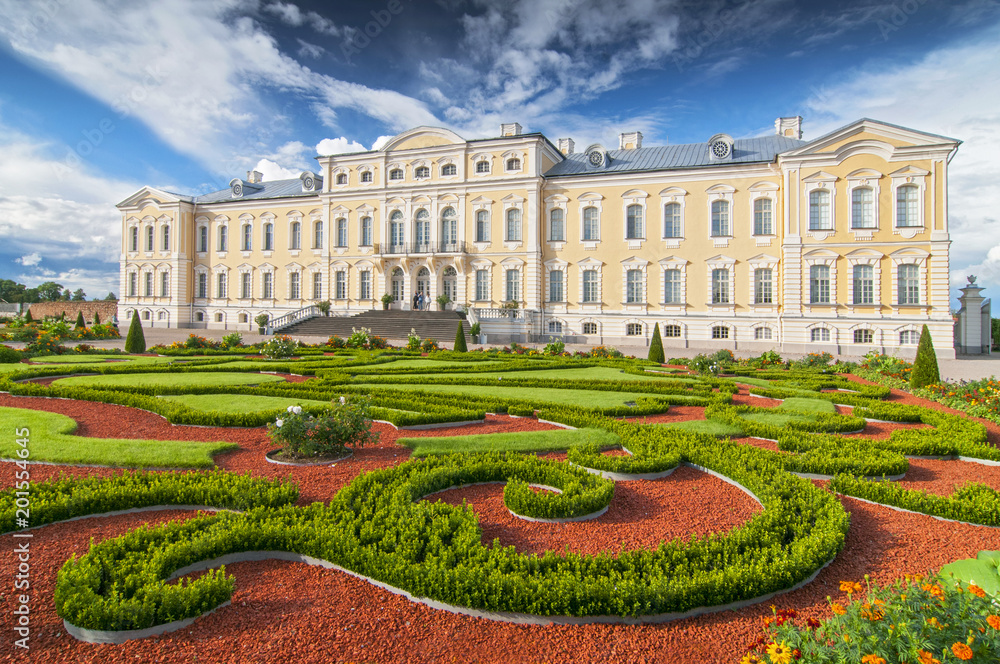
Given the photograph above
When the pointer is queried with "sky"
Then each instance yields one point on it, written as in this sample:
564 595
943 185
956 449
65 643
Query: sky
101 97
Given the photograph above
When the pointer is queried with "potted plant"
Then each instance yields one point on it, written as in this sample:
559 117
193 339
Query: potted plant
262 321
442 301
387 299
474 332
324 306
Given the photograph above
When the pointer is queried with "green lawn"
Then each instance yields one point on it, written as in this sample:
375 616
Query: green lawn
528 441
424 363
78 359
50 440
711 427
581 398
167 380
583 373
784 413
808 405
239 403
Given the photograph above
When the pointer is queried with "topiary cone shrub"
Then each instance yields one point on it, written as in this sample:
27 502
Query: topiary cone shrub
925 367
135 342
97 318
28 318
80 323
656 346
460 345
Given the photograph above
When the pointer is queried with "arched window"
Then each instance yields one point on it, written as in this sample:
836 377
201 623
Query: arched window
318 235
819 334
397 230
203 239
819 284
366 176
449 229
513 225
149 238
557 225
671 330
423 229
633 287
295 235
482 226
672 220
166 238
482 166
864 336
268 236
223 238
761 333
422 172
342 232
590 328
862 208
247 237
720 332
906 206
134 243
591 224
591 286
763 220
200 316
635 229
366 231
341 178
396 174
720 219
513 164
819 210
909 338
449 169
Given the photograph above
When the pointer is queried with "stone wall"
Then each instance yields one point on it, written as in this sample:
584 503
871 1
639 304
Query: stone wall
107 310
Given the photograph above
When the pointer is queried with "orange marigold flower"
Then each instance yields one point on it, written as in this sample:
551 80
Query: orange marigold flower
872 659
850 587
962 651
924 657
838 609
993 621
933 622
976 590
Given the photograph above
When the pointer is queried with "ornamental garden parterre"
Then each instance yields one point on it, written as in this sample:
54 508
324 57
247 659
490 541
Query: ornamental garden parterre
830 467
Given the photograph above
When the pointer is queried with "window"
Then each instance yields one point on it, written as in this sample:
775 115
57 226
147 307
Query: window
513 285
422 172
366 176
166 238
366 231
672 220
396 174
294 286
220 285
864 284
482 226
223 238
133 284
318 235
247 244
449 169
449 228
720 218
555 327
145 315
908 277
148 291
513 164
633 329
483 166
423 228
819 334
295 236
267 288
591 224
761 333
269 236
635 229
396 228
202 239
482 285
672 287
819 210
149 238
365 285
513 225
245 285
819 284
672 331
720 286
556 286
906 206
762 286
200 316
244 318
341 284
341 178
633 287
164 284
864 336
763 219
134 239
590 328
590 286
862 208
218 317
202 285
557 225
317 285
909 338
342 232
720 332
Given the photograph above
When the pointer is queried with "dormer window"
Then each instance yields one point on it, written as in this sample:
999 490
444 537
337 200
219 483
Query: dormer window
513 164
366 176
396 174
720 147
422 172
483 166
449 169
341 178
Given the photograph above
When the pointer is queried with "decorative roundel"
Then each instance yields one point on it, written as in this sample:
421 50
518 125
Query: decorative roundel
721 149
308 183
596 157
238 189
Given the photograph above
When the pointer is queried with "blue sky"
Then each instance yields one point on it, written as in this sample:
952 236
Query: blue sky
101 97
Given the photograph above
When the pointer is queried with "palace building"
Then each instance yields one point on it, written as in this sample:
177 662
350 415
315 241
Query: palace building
837 244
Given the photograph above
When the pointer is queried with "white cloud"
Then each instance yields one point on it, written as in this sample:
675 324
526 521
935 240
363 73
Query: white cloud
274 171
307 50
291 14
340 145
380 142
28 260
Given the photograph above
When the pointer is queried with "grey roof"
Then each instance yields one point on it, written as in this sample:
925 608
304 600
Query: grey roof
664 157
270 189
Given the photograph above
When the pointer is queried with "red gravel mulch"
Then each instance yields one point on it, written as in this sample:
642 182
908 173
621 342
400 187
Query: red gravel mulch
283 612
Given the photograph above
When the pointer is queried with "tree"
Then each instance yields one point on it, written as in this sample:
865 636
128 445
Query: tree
12 291
79 295
66 295
49 291
925 367
135 342
656 346
460 345
27 317
111 297
97 318
80 323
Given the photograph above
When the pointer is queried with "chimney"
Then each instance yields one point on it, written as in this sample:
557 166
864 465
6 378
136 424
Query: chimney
566 145
630 141
790 127
510 129
253 177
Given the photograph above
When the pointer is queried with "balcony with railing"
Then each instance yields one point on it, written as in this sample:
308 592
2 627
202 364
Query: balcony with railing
388 248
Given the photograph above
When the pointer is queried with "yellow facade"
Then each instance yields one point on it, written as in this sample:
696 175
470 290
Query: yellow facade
837 244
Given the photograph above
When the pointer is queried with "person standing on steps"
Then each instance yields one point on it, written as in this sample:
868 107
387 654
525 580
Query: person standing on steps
416 301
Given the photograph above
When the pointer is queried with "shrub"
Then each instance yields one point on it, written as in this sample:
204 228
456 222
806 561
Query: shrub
925 366
47 343
813 360
656 346
262 320
324 307
194 341
460 345
413 340
80 323
345 423
97 318
278 347
83 348
10 355
475 330
703 364
605 351
28 318
135 342
428 345
232 340
336 342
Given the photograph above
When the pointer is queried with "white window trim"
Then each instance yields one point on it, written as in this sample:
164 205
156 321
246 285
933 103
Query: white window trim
877 334
483 264
513 202
909 256
289 270
556 202
421 163
834 338
635 263
595 201
214 287
758 191
673 263
392 167
340 170
635 197
482 156
583 266
763 262
909 176
674 321
875 261
720 263
556 265
291 218
515 154
721 323
366 168
721 192
768 326
863 179
819 182
447 161
672 195
267 269
822 258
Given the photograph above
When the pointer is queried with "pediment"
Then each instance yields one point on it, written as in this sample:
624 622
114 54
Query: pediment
422 137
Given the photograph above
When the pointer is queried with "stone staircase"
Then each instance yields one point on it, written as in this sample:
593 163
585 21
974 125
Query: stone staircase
392 324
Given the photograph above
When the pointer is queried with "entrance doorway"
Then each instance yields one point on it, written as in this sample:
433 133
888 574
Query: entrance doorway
450 283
